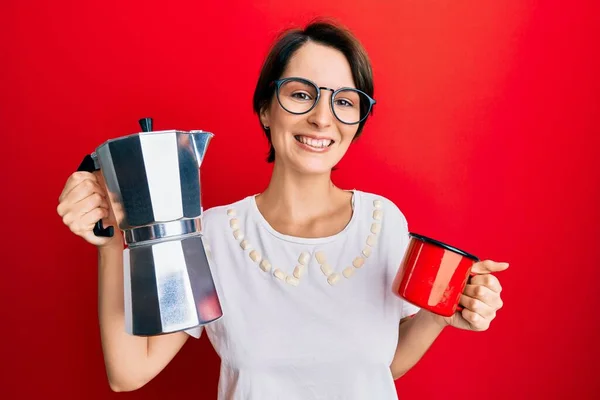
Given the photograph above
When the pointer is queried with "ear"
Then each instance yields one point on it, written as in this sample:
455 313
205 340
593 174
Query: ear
264 116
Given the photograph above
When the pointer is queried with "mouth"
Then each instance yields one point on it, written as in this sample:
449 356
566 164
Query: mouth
317 144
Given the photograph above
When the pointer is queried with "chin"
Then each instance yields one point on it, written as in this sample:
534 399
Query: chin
305 162
313 167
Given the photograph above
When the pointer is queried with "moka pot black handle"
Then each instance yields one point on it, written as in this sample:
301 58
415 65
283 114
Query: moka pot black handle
89 165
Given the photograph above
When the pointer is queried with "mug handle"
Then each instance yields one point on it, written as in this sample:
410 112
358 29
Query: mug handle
459 307
89 165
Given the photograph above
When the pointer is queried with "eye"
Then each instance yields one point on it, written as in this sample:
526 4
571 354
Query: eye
301 96
343 103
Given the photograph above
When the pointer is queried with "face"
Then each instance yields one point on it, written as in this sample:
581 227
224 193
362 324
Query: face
312 143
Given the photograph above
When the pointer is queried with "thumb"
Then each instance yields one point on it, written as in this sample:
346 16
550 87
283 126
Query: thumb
488 266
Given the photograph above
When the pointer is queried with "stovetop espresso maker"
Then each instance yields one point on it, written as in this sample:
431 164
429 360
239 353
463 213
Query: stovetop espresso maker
153 183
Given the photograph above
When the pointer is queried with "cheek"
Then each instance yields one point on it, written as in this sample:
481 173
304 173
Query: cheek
283 123
348 133
283 120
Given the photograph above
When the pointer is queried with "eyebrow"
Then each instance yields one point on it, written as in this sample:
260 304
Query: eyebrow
351 86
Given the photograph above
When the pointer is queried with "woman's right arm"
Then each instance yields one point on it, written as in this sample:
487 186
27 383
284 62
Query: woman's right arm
131 361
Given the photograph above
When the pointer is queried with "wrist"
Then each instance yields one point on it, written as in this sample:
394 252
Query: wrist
438 320
113 245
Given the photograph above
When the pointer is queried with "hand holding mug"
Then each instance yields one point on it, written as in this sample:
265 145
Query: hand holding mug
480 298
452 284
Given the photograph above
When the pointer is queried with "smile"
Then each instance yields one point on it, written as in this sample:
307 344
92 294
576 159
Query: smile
314 143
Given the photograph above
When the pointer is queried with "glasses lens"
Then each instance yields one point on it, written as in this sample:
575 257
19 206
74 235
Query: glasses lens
351 106
297 96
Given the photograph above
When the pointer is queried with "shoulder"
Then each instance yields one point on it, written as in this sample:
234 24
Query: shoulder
382 209
390 225
222 215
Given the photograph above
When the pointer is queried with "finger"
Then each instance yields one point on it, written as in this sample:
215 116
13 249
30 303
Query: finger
74 217
490 281
92 201
83 190
80 192
84 224
72 213
476 321
74 180
484 294
488 266
89 219
477 306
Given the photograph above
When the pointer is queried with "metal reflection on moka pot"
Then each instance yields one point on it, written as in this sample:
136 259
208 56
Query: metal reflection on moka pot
153 183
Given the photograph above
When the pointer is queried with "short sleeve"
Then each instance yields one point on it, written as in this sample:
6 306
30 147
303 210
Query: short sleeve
195 332
408 309
396 238
207 215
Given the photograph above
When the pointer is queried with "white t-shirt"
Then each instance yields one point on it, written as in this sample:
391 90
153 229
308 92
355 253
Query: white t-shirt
329 334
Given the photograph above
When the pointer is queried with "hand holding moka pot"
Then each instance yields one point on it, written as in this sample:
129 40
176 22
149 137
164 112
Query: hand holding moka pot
153 185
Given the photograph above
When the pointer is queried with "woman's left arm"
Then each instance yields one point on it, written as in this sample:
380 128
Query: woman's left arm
480 299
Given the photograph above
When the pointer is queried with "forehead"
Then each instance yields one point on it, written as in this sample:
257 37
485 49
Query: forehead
321 64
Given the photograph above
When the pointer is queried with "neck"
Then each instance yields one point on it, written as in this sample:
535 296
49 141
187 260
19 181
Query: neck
298 197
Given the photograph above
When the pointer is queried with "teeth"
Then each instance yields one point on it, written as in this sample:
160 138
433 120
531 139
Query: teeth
316 143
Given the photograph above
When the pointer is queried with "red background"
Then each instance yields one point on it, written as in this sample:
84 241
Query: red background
485 135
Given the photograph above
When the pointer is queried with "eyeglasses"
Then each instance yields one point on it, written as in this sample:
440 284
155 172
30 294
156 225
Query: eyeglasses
299 96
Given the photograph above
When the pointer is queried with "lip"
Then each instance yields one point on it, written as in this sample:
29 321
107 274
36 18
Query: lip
306 147
318 137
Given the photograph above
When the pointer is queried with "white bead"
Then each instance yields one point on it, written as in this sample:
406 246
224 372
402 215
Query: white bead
375 228
358 262
303 259
321 259
377 214
292 281
238 235
377 203
279 274
245 244
233 221
265 265
326 269
255 256
366 251
299 271
371 240
348 272
231 212
333 279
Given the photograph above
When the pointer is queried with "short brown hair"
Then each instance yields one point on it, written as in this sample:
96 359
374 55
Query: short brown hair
322 32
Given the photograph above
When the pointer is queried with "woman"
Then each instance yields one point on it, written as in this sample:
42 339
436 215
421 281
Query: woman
304 268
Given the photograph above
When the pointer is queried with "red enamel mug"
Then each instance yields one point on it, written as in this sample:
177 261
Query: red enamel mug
433 275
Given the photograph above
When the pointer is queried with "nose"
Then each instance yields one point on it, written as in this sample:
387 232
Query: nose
321 116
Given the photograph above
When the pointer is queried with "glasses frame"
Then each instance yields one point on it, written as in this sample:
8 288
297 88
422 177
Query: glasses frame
280 82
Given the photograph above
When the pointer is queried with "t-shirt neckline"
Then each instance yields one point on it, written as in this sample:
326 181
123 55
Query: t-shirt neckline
302 240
